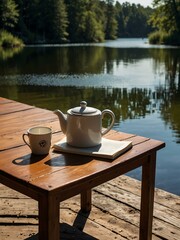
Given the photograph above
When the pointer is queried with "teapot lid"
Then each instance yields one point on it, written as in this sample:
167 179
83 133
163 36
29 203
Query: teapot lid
83 109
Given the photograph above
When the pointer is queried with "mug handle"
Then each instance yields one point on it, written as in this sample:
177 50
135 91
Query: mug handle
107 111
23 137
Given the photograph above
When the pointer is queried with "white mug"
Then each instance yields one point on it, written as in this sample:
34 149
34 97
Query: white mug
39 139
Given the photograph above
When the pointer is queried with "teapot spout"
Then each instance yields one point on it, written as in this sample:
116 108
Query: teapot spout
62 119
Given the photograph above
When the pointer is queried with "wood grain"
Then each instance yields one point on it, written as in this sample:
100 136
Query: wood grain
55 177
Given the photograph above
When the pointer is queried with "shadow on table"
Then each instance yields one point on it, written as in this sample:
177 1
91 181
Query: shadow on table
61 160
74 232
68 160
28 159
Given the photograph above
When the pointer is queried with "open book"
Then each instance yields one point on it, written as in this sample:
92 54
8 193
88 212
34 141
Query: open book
107 149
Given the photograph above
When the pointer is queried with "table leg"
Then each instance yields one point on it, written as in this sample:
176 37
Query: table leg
86 197
147 197
49 226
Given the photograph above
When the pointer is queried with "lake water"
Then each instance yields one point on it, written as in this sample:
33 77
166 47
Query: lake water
139 82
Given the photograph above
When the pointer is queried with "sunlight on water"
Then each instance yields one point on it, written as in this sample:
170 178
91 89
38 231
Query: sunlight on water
126 75
137 81
83 80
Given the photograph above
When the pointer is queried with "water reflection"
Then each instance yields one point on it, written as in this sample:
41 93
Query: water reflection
84 59
126 103
116 78
9 52
140 85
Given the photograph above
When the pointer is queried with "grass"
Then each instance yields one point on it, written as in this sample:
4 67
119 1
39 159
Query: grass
159 37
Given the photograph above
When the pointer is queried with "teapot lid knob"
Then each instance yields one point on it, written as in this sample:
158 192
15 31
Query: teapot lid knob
83 110
83 104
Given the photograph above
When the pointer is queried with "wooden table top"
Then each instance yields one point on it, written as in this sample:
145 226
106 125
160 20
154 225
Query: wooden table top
57 171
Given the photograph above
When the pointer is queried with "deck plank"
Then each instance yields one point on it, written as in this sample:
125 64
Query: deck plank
13 107
115 213
116 204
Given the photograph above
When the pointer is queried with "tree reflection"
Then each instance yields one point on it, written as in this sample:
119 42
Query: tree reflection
170 93
9 52
125 103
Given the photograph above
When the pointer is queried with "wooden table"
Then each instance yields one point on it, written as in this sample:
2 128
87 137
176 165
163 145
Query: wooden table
55 177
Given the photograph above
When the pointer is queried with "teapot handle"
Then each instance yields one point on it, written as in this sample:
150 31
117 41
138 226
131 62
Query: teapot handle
107 111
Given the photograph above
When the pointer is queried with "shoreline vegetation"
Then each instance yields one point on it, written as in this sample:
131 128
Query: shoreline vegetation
7 40
66 21
164 38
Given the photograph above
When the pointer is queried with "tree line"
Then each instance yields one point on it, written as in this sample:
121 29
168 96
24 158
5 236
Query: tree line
166 20
60 21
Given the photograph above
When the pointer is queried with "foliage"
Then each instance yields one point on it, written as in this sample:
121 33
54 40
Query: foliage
85 21
155 37
133 20
111 24
7 53
56 18
59 21
8 14
42 21
7 40
166 18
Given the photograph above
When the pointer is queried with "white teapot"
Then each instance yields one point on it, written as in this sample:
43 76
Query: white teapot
83 125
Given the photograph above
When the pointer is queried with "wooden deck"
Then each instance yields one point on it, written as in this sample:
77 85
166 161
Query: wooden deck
115 213
116 204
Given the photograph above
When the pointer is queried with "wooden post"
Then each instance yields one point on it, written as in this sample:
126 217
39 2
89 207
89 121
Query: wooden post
147 197
49 226
86 200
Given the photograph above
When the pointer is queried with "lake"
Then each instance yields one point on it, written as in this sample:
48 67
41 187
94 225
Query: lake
139 82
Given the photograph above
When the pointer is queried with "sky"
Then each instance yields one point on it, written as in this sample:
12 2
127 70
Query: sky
144 3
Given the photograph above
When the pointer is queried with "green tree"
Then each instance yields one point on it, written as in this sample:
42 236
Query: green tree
76 17
111 24
42 21
166 15
29 20
132 20
166 18
94 31
8 14
85 21
120 20
56 21
136 25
